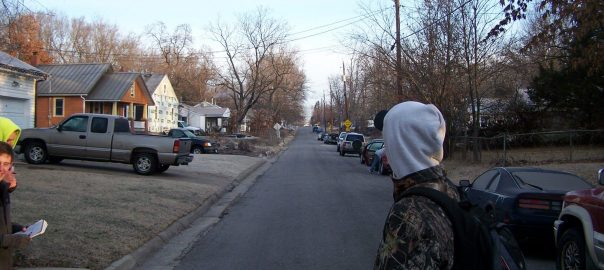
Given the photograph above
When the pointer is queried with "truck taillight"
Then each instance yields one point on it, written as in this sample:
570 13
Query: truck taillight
176 147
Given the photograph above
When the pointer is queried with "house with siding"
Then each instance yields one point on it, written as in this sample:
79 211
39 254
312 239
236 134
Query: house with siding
18 82
91 88
206 115
164 115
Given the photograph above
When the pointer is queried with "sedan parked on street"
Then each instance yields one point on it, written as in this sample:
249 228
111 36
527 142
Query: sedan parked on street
368 152
200 145
331 138
527 199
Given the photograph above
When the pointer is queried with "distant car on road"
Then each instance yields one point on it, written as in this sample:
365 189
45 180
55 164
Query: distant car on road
579 231
194 130
331 138
368 153
527 199
199 145
340 139
352 143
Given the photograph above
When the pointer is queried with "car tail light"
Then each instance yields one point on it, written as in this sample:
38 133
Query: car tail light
176 147
534 204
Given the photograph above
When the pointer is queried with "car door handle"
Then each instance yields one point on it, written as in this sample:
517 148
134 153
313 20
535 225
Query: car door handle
82 136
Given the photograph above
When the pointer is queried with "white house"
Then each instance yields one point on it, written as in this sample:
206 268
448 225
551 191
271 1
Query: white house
18 90
164 115
206 115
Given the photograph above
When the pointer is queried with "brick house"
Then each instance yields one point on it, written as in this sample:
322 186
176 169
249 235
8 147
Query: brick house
91 88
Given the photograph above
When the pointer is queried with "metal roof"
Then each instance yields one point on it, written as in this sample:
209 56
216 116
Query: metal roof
13 64
113 86
71 79
152 81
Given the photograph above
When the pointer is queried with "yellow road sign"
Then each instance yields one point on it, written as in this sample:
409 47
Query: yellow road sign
347 123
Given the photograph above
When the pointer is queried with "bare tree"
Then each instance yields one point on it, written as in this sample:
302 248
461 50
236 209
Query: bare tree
250 48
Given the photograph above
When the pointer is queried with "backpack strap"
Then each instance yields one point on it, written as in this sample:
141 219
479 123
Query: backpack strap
472 242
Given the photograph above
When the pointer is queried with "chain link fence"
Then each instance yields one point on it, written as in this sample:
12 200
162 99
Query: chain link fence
525 148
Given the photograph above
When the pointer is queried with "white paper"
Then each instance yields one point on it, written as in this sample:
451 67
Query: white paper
35 229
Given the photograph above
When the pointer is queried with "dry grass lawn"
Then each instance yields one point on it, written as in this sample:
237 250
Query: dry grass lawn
94 220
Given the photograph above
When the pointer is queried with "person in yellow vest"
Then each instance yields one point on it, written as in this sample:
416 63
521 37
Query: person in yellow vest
9 133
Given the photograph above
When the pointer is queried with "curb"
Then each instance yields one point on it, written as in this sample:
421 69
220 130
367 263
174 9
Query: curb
156 243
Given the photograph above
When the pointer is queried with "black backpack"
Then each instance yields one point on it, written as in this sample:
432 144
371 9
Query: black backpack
480 242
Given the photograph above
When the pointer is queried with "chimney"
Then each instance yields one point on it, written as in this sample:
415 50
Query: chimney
35 59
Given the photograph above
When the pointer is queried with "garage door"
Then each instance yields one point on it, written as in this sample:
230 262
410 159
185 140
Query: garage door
14 109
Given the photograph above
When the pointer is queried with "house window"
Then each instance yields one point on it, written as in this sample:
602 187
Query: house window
131 90
59 106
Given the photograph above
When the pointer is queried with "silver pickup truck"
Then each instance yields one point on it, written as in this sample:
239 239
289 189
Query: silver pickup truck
100 137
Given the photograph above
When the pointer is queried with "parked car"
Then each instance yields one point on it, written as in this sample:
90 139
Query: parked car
195 130
331 138
352 143
340 139
320 135
368 152
527 199
199 145
579 230
384 168
101 137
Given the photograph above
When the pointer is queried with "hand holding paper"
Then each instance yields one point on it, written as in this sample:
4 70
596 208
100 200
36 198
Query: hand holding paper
35 229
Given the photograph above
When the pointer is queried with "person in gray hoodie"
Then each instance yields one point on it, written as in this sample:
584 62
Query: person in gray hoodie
417 233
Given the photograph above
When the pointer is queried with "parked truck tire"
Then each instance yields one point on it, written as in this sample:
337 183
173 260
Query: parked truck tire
144 163
35 153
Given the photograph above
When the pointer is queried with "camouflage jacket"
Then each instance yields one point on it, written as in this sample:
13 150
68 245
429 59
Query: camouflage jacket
417 233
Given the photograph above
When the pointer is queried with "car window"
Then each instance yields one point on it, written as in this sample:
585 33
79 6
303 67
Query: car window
493 185
189 134
76 123
481 182
176 133
376 146
99 125
550 181
354 137
121 125
342 135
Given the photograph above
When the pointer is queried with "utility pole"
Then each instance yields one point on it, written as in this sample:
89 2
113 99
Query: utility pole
324 119
399 67
345 98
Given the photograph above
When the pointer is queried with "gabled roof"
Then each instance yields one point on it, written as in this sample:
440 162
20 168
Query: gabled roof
11 63
113 86
71 79
212 111
152 81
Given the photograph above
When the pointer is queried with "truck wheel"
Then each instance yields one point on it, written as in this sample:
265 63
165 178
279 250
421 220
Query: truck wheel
162 168
571 254
144 163
197 150
35 153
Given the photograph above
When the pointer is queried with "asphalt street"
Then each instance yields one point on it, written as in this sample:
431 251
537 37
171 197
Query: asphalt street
312 209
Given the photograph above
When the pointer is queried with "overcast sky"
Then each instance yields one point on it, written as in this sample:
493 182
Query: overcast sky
318 24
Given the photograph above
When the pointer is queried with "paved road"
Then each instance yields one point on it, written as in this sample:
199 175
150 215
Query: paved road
311 210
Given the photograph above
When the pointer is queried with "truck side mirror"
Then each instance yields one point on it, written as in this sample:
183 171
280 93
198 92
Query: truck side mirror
465 183
60 128
601 176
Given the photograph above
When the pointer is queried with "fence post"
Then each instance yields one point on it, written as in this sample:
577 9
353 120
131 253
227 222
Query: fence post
505 156
570 138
